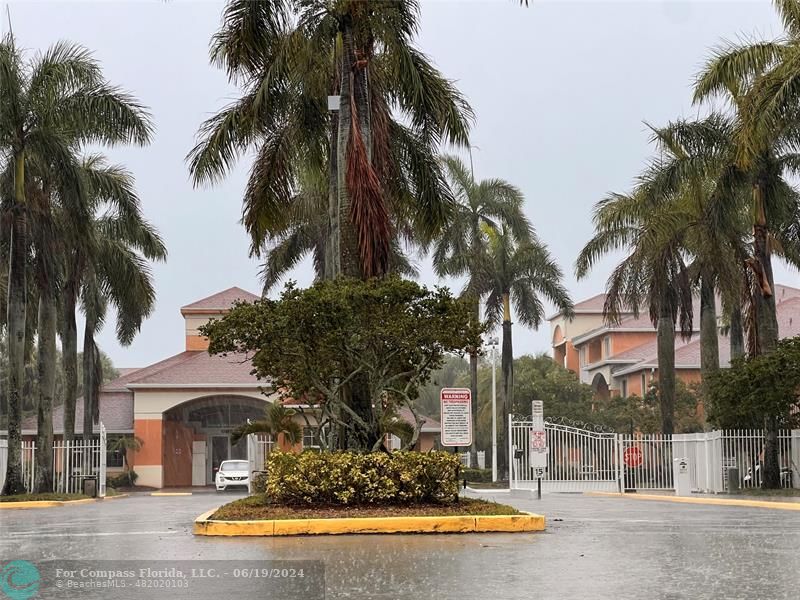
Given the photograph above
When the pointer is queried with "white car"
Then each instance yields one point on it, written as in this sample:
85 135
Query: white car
232 473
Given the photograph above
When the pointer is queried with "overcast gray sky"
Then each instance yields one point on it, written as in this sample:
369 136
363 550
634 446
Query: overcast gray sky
560 91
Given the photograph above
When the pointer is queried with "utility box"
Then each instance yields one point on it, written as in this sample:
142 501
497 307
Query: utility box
90 486
733 480
681 477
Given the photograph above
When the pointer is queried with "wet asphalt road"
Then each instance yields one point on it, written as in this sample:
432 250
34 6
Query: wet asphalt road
593 548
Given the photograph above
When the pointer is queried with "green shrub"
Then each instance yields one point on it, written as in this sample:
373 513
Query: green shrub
125 479
477 475
349 478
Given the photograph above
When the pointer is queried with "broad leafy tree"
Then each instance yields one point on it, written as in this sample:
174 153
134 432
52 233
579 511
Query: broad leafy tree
390 332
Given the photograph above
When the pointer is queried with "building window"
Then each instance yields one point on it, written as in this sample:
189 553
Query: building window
644 383
582 354
624 388
114 458
310 438
607 346
395 443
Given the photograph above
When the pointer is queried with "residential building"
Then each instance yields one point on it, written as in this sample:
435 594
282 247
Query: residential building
184 408
622 358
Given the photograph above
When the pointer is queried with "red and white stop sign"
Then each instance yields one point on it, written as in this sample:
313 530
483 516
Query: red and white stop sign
632 456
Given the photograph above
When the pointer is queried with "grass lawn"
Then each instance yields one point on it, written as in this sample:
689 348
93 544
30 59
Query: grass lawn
785 492
488 485
39 497
254 508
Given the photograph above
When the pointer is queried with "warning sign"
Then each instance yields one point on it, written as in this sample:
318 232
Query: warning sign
456 413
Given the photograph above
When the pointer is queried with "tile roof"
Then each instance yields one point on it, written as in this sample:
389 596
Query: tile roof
428 424
688 355
594 303
223 300
116 413
191 368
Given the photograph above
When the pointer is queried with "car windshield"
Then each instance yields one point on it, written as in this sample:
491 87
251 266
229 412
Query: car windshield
233 465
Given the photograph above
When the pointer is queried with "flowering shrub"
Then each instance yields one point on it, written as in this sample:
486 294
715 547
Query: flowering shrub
349 478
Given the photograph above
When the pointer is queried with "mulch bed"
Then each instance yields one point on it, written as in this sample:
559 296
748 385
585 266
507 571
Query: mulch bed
255 508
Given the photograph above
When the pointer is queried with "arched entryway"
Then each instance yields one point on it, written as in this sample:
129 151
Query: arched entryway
600 387
197 436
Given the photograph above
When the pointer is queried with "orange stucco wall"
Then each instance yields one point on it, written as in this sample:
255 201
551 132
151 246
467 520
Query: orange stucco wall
625 340
573 360
196 342
150 431
688 376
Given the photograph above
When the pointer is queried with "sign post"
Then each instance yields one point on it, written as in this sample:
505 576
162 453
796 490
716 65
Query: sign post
456 411
538 444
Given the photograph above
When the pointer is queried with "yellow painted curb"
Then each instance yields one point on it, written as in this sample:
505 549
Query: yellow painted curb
713 501
43 503
117 497
203 525
170 493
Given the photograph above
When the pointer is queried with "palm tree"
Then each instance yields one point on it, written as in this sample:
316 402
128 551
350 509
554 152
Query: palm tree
290 56
47 105
492 204
278 421
124 444
110 268
307 233
653 275
758 80
517 272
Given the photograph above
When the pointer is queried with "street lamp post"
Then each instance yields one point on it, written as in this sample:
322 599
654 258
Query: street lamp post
493 344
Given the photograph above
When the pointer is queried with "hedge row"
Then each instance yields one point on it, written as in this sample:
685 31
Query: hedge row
349 478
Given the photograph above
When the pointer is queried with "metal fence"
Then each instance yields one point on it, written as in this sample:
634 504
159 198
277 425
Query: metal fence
578 459
259 445
712 454
581 459
28 463
73 462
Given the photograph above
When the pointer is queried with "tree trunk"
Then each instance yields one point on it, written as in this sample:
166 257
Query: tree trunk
89 384
17 301
736 332
349 262
767 319
507 368
69 359
665 340
47 386
709 341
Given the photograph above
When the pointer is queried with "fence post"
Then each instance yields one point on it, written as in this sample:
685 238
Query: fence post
794 465
510 460
103 461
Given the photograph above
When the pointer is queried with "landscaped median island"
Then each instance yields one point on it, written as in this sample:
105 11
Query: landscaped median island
46 500
346 492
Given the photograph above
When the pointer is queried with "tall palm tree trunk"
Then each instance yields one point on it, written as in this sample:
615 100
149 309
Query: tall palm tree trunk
507 367
17 301
47 384
90 385
348 250
69 358
665 341
767 319
736 331
709 341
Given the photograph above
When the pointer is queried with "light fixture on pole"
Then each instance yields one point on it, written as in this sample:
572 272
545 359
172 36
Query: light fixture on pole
492 343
